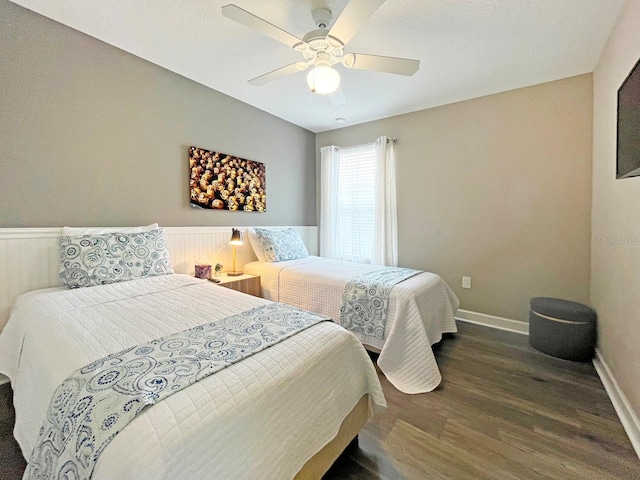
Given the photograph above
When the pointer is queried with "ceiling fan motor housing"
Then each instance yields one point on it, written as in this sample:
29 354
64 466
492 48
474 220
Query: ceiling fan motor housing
316 45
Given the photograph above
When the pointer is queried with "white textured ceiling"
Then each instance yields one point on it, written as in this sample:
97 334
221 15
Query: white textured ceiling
466 48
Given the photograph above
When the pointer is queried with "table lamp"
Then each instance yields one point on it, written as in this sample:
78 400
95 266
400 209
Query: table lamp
236 239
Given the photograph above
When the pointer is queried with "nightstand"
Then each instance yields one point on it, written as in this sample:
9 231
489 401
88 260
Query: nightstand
244 283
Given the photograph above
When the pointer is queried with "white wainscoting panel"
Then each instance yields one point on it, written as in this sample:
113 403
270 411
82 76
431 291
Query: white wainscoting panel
29 257
28 260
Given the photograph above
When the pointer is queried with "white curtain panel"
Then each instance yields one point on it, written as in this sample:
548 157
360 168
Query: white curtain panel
329 170
385 243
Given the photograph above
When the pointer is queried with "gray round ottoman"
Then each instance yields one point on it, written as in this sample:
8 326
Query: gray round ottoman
562 328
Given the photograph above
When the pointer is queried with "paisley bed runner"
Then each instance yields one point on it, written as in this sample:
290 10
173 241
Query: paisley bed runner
96 402
366 299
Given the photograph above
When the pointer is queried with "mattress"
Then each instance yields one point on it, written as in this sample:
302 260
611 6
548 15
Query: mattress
263 417
421 309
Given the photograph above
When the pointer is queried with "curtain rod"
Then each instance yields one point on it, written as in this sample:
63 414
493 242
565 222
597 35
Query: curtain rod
393 139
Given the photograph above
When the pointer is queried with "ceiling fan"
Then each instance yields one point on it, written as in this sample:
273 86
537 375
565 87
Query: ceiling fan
323 48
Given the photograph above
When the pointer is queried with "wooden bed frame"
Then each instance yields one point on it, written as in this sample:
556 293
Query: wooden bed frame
318 465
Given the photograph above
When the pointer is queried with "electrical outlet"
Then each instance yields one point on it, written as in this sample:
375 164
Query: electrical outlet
466 282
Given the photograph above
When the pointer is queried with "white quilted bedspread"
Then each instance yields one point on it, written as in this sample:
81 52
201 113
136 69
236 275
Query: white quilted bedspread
421 309
261 418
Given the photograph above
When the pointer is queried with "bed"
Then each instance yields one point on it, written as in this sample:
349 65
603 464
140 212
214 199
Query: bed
421 309
284 412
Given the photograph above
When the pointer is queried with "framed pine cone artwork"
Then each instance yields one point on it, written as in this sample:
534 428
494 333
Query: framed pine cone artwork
220 181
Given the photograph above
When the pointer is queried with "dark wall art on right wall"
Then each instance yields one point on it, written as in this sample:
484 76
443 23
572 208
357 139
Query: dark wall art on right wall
628 146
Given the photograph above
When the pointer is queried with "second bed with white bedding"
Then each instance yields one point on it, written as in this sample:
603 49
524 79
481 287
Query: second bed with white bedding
421 309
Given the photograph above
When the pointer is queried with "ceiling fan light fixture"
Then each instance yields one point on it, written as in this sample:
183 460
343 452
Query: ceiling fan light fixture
323 80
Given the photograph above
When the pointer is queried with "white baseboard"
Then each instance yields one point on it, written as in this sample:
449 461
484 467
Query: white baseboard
627 416
3 379
493 321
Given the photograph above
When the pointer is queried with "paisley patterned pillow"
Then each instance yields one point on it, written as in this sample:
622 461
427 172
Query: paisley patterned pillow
281 245
88 260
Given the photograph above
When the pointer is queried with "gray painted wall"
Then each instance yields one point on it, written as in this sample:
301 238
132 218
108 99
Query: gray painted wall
496 188
91 135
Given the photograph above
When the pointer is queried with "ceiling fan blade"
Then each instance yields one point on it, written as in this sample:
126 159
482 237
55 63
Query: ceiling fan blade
399 66
353 17
278 73
250 20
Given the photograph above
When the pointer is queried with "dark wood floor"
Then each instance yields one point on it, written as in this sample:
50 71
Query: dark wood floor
11 462
503 411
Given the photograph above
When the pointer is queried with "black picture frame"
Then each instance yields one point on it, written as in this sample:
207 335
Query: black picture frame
628 126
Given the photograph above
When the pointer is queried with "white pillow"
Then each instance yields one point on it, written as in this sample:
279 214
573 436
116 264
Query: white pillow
72 231
256 244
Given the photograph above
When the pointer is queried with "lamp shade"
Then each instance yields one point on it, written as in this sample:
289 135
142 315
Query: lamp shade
236 237
323 80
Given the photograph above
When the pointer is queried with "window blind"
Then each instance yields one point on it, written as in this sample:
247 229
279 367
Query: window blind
356 202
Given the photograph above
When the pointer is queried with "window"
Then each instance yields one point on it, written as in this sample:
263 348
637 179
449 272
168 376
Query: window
358 219
356 203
